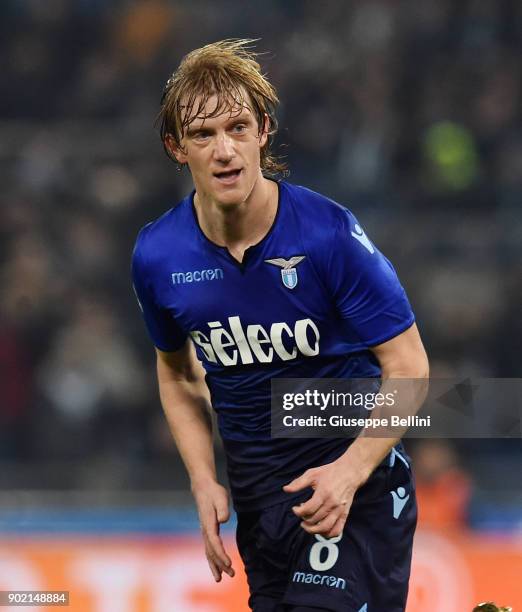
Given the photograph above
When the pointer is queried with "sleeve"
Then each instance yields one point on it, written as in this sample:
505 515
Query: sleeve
367 292
162 327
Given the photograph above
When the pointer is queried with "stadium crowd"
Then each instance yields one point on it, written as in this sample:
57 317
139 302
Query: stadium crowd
407 112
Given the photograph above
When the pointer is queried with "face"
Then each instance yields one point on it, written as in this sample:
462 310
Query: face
223 153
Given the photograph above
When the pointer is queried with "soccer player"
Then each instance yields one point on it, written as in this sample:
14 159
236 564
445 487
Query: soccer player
254 278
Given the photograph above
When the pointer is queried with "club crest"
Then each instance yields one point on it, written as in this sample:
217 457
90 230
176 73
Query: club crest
288 269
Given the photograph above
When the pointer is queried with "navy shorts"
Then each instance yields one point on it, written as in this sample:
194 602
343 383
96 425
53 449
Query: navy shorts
366 569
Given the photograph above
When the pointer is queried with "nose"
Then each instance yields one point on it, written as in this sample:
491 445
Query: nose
224 149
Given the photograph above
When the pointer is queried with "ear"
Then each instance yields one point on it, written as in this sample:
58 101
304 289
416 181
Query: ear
263 136
175 150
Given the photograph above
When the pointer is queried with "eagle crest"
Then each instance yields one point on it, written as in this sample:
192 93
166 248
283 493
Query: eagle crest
286 264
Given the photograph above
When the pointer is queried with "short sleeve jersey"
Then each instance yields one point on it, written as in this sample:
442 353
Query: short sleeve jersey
308 301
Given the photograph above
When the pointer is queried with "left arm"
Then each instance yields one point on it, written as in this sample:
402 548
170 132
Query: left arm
336 483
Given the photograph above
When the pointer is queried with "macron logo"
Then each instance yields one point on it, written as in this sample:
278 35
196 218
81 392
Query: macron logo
399 501
196 276
359 235
324 579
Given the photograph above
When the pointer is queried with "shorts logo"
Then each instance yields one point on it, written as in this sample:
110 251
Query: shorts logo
364 608
321 579
399 501
328 544
320 565
289 271
196 276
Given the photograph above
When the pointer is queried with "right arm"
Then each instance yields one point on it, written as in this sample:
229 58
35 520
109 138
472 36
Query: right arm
186 403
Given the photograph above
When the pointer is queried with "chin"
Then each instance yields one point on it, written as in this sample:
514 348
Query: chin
230 200
231 197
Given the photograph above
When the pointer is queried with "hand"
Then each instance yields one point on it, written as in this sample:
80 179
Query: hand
325 513
212 503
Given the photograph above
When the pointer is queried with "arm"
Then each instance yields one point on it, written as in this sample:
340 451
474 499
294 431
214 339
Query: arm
335 484
185 400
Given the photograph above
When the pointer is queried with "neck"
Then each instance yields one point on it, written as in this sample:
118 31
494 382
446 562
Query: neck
238 226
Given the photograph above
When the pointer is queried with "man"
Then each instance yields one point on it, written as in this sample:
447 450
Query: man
257 279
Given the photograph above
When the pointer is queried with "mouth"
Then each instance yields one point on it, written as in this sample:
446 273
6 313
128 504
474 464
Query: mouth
228 177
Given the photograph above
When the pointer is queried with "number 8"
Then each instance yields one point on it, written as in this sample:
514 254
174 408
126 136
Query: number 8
333 553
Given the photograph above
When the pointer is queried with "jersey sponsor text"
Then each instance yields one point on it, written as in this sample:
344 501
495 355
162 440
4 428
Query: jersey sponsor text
237 345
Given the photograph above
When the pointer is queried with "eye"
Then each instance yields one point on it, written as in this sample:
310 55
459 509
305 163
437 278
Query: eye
202 135
239 128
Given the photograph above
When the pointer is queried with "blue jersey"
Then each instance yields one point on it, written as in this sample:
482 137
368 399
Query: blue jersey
307 301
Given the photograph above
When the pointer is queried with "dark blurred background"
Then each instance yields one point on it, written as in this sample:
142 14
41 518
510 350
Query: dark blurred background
407 112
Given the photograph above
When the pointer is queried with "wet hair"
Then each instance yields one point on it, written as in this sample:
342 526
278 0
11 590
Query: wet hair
229 70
